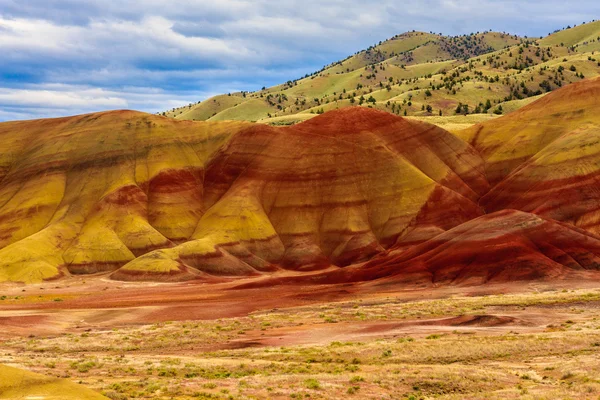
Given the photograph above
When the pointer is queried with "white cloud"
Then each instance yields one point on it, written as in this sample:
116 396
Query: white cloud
55 99
92 97
38 35
120 40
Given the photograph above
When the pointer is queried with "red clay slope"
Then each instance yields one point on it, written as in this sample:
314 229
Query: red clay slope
156 198
504 246
335 190
545 158
357 193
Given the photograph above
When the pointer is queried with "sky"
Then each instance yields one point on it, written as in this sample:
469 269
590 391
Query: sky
66 57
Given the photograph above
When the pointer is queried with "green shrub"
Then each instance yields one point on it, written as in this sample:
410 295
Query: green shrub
312 384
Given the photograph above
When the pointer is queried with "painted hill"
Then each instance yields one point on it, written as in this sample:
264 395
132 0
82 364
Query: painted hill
507 142
504 246
422 74
20 384
549 158
545 157
100 192
143 197
89 193
334 190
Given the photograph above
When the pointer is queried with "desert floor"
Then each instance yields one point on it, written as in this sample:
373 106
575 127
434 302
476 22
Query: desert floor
194 340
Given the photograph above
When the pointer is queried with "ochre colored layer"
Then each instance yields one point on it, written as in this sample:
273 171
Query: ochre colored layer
21 384
545 158
506 143
154 198
335 190
504 246
88 194
143 197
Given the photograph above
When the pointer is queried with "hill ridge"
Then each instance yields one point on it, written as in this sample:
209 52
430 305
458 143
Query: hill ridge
419 74
143 197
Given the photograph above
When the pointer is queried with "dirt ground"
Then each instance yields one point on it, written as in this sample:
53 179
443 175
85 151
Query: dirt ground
194 340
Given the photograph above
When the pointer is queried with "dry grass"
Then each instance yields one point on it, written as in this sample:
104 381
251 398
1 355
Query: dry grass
377 348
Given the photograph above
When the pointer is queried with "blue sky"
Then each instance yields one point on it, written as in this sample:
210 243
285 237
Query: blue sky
64 57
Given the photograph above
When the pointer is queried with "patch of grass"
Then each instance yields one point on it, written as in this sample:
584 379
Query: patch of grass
312 384
353 389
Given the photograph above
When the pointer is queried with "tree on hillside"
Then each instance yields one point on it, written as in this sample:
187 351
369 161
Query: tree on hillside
488 105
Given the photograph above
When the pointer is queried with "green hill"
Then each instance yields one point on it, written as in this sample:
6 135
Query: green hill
423 74
583 37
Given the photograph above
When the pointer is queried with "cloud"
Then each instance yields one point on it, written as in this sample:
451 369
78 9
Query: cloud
51 100
68 56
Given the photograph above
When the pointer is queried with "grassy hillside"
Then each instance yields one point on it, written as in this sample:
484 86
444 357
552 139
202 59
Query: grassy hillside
576 36
207 109
423 74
